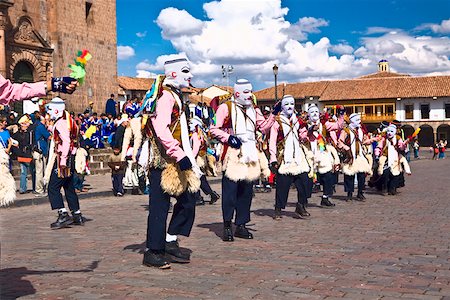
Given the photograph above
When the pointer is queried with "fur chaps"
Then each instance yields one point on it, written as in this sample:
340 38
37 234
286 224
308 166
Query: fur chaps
175 182
236 170
7 182
396 168
359 165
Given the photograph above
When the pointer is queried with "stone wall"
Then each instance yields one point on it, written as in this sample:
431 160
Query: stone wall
65 28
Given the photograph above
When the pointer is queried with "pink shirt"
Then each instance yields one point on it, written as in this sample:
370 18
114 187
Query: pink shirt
10 92
161 122
273 141
332 127
262 124
378 150
64 146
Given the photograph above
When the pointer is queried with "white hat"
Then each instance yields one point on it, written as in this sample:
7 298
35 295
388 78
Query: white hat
123 118
353 115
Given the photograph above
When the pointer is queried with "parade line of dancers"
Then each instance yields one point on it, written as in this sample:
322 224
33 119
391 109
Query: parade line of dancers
304 151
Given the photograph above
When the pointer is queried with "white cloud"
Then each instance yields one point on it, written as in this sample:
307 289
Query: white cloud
145 74
443 28
177 23
254 35
124 52
141 34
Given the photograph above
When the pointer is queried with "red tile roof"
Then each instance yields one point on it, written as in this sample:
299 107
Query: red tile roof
367 87
134 83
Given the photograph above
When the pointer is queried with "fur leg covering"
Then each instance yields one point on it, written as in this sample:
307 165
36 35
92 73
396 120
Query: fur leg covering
175 182
236 170
7 182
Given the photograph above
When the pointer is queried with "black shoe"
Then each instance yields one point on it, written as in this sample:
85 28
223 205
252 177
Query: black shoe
136 191
78 219
227 234
214 197
243 233
393 192
349 197
174 253
200 201
155 259
326 202
301 212
63 220
360 197
277 215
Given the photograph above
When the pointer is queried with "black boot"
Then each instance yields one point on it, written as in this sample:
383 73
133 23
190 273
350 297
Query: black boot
63 220
277 215
78 219
214 197
155 259
349 196
200 201
360 197
326 202
243 233
227 232
174 253
300 211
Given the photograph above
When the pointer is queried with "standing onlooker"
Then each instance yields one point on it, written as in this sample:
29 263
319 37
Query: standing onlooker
23 152
90 109
120 132
117 171
435 151
416 147
5 137
40 152
111 106
441 149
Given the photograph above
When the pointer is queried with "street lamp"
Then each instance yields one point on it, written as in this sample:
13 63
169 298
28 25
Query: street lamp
275 73
226 71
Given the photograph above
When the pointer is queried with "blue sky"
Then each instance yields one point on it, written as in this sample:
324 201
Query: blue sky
308 39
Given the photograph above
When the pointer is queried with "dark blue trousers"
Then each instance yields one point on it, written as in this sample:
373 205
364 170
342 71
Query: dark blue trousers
236 196
158 208
54 192
117 182
327 180
204 185
349 182
284 184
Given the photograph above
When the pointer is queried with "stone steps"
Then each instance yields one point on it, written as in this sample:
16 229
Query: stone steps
98 163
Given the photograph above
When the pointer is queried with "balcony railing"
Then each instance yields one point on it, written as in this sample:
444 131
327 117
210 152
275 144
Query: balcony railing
377 117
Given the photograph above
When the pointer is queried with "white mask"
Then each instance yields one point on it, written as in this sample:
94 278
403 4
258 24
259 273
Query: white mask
355 121
391 131
178 72
313 113
287 106
56 108
243 92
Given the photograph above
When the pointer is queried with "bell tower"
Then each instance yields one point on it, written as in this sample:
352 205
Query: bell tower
383 66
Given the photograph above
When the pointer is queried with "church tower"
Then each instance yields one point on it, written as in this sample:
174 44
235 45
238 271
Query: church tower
383 66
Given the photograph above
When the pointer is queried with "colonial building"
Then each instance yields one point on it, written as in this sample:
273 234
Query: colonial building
40 38
383 96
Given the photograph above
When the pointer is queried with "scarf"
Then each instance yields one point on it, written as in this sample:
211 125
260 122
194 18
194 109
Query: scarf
185 141
355 141
244 121
291 140
392 152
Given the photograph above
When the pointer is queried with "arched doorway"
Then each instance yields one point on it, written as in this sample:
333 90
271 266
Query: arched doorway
23 72
408 130
426 137
443 132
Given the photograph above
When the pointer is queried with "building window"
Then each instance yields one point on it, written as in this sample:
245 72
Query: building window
389 109
368 110
88 8
447 110
359 110
409 111
425 111
349 110
379 110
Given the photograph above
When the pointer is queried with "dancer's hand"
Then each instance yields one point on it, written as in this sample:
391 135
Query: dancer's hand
185 164
234 142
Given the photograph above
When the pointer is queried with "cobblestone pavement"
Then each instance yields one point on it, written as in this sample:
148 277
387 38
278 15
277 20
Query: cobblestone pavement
388 247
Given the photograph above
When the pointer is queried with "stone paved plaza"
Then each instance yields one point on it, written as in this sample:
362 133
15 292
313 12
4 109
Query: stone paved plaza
386 248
